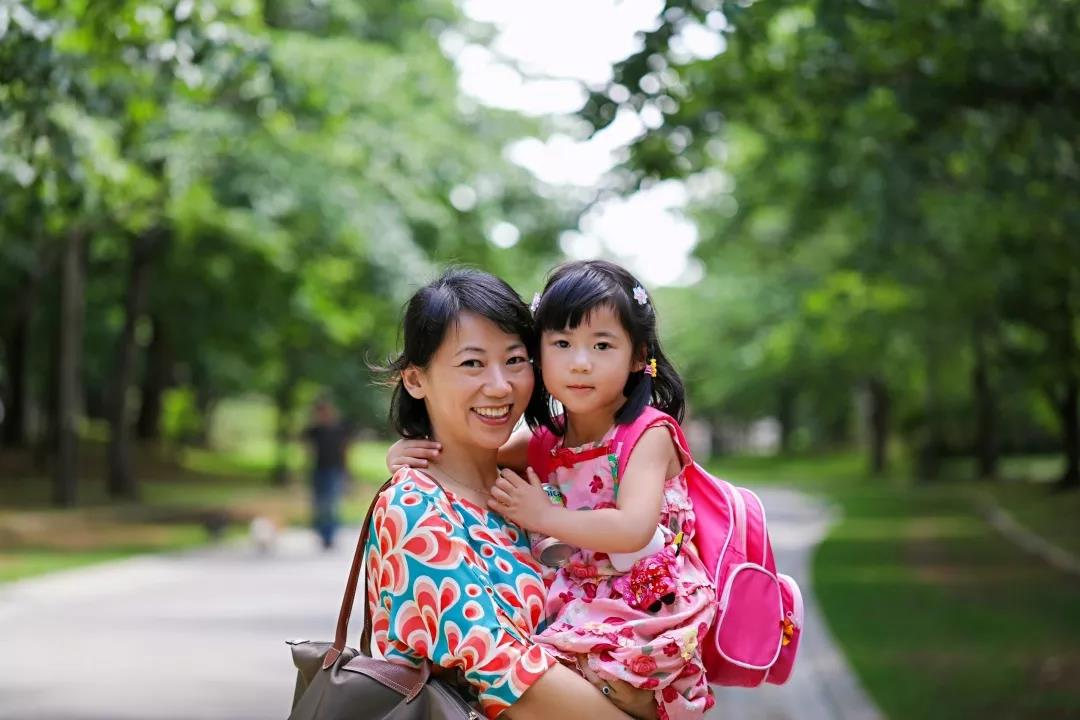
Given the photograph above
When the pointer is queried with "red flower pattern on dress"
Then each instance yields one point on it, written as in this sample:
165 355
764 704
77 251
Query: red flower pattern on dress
598 615
642 665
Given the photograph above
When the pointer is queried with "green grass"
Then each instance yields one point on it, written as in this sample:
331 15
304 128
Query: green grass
36 538
27 562
940 616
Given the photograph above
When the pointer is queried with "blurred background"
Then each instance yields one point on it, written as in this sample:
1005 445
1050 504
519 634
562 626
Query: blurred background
860 222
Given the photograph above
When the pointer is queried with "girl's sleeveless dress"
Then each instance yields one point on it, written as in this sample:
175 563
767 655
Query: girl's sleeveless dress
587 616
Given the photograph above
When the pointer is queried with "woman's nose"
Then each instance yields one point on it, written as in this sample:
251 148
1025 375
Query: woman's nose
498 384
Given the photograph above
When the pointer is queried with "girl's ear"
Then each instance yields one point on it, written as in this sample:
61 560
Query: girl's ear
640 359
412 378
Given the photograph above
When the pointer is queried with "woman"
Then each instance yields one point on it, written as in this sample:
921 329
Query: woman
448 580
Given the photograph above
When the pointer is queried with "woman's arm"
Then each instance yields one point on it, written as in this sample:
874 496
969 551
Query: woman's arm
622 529
418 453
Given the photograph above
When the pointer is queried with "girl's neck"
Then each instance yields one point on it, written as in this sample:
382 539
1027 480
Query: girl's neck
587 428
473 467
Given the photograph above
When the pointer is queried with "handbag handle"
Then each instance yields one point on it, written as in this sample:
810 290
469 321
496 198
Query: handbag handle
350 593
350 587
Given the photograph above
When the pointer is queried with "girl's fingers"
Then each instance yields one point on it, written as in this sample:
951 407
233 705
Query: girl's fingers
512 477
534 479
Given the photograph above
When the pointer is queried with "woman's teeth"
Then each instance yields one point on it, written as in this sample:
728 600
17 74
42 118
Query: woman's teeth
493 412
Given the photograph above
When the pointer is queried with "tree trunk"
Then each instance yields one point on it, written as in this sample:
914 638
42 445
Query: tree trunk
18 344
284 402
1069 409
986 436
157 377
879 424
14 425
69 376
122 483
786 417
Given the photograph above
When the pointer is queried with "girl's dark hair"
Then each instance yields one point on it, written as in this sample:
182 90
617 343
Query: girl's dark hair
430 313
573 291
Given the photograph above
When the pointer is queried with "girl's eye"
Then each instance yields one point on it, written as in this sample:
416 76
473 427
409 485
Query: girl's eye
561 344
603 346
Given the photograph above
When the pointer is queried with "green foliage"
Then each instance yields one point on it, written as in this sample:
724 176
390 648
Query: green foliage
885 190
284 170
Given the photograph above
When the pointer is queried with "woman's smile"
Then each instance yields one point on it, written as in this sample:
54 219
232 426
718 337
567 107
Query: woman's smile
493 415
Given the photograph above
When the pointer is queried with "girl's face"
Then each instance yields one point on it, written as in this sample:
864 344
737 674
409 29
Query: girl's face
586 368
477 384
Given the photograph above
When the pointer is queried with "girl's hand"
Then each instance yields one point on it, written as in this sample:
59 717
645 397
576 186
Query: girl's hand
411 453
522 502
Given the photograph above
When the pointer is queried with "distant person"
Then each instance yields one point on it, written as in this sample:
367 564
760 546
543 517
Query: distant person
329 437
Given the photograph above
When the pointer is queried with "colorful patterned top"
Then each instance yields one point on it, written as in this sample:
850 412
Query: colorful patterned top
452 583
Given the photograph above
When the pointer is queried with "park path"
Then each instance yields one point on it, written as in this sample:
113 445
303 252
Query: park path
200 635
823 685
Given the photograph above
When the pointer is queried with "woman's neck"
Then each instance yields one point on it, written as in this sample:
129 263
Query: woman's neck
473 467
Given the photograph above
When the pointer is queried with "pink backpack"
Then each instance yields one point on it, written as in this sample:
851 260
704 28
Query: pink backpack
759 617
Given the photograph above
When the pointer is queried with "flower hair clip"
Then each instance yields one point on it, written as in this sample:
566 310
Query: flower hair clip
535 303
641 296
650 369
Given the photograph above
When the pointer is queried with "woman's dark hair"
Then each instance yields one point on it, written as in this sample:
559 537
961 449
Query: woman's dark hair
573 291
430 313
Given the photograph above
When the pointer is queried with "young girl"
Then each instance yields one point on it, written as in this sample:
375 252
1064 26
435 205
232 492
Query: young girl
601 359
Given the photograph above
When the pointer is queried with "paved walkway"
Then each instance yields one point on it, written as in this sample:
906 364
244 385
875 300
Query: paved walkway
200 635
822 686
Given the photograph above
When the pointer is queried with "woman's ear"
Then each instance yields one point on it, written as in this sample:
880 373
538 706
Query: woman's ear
412 378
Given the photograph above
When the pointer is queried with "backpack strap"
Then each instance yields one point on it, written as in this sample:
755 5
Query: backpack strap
539 452
627 436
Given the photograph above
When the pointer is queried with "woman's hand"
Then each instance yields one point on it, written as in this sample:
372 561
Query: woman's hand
522 502
411 453
633 701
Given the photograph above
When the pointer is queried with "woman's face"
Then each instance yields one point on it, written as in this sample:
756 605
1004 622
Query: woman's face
477 384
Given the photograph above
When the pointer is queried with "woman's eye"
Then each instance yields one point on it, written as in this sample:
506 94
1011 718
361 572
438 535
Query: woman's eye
517 360
472 364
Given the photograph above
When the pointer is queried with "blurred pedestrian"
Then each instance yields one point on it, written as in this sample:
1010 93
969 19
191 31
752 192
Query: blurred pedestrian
329 437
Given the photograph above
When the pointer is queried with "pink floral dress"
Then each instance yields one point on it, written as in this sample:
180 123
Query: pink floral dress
588 616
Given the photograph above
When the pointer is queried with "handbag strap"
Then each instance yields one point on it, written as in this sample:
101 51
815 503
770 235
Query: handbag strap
347 601
350 592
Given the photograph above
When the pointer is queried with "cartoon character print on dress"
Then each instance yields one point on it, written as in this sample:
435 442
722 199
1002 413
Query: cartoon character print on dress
652 582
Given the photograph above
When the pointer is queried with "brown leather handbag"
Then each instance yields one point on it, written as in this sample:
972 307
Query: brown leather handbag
335 682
